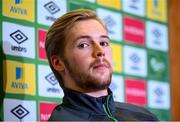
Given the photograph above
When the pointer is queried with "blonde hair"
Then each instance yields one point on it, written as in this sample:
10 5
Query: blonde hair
56 37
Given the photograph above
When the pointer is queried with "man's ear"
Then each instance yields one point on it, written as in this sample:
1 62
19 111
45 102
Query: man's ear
57 63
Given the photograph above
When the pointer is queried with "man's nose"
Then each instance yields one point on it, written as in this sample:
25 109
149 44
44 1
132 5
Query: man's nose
98 50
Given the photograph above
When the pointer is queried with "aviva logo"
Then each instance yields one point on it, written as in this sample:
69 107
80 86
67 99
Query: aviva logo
117 57
157 9
18 73
19 9
19 77
18 1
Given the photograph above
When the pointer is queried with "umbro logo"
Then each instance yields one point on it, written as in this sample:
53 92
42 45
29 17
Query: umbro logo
51 79
159 92
20 112
51 7
156 33
134 4
135 58
18 36
110 23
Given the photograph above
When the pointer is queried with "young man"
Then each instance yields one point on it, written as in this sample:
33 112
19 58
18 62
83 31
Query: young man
79 54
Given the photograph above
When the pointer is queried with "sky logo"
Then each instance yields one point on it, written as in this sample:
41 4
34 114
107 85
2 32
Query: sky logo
18 73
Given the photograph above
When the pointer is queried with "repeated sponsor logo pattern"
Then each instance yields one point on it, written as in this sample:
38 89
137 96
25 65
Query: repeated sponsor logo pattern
20 112
19 77
157 9
116 57
134 30
19 9
41 44
113 21
116 4
135 61
48 84
18 40
138 31
136 7
136 91
46 109
157 36
18 36
51 79
158 94
49 10
52 7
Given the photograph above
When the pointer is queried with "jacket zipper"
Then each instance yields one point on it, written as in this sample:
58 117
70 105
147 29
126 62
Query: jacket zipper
107 110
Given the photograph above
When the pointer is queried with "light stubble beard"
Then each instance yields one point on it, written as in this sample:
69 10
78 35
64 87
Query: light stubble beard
87 81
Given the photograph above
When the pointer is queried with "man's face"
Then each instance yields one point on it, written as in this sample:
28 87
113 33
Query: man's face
88 56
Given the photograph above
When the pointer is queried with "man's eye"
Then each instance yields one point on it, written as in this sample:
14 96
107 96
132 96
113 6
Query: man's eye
83 45
104 44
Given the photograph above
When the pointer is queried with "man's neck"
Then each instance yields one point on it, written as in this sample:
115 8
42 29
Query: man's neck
98 93
74 86
92 93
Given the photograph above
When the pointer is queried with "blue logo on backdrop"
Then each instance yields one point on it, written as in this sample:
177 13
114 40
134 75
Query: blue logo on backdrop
18 73
51 79
157 34
135 59
134 4
159 93
110 23
18 36
20 112
18 1
51 7
155 2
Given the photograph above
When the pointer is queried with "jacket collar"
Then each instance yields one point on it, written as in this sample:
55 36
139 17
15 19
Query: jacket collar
79 101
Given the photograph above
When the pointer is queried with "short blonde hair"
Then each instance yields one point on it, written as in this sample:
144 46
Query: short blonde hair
56 37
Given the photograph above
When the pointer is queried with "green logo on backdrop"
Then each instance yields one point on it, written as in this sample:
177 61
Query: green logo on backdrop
158 65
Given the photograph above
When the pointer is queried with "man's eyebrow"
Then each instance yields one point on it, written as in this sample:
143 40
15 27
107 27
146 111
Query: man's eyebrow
104 36
89 37
82 37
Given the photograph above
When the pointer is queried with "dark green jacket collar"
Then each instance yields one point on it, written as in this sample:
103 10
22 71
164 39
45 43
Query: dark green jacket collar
86 103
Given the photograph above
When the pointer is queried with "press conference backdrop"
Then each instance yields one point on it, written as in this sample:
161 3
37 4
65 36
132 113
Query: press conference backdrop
138 30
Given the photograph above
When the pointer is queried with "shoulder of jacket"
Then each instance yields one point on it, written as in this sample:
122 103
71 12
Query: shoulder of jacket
131 108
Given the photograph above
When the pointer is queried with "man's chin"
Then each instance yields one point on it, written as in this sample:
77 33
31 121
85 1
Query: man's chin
101 76
103 80
96 83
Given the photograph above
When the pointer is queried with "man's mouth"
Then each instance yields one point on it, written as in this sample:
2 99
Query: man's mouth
100 66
